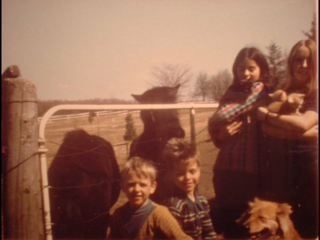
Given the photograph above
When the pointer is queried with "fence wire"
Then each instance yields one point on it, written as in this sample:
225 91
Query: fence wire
93 150
87 151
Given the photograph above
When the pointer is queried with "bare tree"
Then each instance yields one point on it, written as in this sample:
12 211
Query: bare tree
171 75
219 84
201 88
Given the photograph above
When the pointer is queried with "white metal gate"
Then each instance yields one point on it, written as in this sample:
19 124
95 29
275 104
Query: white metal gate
50 112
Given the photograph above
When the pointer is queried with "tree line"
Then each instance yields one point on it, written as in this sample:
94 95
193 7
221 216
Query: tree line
212 87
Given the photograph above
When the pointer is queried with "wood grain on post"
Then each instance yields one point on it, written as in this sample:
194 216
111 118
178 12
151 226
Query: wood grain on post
23 215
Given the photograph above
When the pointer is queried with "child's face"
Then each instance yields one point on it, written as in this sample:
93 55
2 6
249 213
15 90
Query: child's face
248 71
137 189
186 175
301 65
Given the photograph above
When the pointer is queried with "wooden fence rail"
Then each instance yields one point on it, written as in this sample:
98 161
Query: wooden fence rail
56 118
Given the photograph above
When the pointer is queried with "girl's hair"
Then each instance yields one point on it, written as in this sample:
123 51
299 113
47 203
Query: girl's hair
312 63
179 150
253 54
141 167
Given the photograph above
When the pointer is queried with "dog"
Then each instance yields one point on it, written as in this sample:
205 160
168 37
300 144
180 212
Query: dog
286 104
269 220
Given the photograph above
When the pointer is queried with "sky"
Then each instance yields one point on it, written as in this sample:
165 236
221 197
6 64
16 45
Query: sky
86 49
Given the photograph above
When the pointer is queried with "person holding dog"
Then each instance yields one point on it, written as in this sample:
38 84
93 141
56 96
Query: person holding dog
235 129
292 142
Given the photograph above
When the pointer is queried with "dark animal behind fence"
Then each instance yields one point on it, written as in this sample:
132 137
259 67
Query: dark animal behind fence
84 177
159 127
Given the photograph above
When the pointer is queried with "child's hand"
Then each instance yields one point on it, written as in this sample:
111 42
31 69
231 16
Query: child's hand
278 95
262 113
234 127
230 129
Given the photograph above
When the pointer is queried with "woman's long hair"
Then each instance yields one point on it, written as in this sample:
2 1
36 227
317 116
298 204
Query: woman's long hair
253 54
290 82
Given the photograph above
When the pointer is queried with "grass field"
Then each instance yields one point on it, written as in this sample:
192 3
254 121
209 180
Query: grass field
112 128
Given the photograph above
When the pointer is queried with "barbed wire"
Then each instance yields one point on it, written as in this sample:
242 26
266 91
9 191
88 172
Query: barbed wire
79 153
81 222
93 150
83 152
83 186
206 127
22 162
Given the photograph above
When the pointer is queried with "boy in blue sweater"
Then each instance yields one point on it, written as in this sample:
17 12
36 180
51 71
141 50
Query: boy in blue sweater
140 218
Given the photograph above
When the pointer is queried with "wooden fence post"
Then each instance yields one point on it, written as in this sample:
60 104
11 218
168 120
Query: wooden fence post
192 126
22 206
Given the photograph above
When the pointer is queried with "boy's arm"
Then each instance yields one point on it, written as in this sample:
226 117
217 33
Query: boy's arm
230 111
169 226
208 231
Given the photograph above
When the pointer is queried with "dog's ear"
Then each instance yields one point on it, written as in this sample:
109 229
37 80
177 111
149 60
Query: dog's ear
283 216
244 217
243 220
284 208
255 201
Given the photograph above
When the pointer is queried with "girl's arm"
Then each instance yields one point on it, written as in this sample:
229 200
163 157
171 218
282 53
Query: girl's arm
300 123
230 111
309 135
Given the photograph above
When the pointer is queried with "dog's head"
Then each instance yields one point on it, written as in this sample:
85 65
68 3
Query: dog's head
269 220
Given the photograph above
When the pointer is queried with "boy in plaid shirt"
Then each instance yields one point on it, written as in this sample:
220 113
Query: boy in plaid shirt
186 205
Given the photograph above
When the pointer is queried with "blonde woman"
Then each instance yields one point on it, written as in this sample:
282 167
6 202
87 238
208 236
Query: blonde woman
291 142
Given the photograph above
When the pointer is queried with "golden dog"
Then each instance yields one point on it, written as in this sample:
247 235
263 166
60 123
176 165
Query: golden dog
269 220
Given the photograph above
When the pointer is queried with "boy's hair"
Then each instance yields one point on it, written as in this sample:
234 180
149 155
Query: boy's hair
311 45
141 167
253 54
179 150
